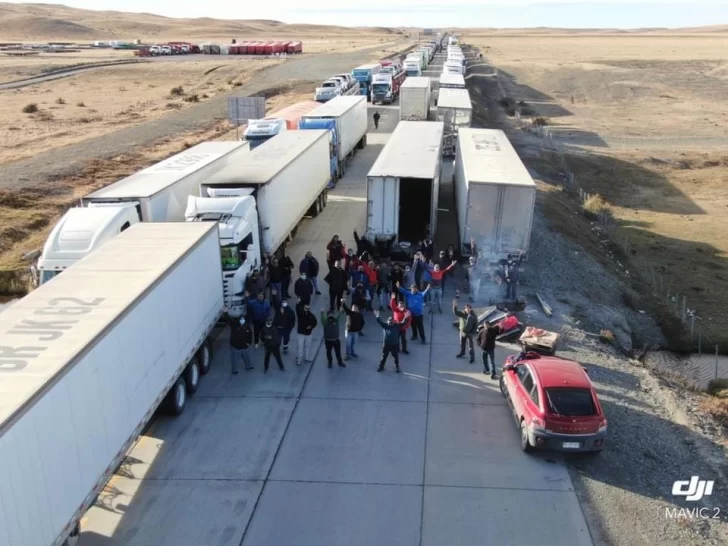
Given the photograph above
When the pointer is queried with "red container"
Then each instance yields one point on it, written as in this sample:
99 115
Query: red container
295 47
267 48
277 48
243 48
260 48
233 50
284 46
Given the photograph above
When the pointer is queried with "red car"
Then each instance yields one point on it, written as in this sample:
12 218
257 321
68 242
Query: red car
554 404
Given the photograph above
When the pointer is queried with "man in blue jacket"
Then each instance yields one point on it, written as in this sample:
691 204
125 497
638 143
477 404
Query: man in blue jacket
258 313
416 305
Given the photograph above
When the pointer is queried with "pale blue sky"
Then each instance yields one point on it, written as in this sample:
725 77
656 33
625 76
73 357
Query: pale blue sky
426 13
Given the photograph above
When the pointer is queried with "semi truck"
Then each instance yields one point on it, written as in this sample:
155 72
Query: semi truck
262 130
86 361
415 96
455 110
413 67
347 118
452 81
453 67
494 195
365 75
385 89
155 194
403 189
259 201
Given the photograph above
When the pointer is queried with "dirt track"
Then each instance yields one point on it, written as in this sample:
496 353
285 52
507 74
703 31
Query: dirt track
69 159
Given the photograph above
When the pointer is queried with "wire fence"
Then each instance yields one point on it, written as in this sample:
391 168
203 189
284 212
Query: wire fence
670 298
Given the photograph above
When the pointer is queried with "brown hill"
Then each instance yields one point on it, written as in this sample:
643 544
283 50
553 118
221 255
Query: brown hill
49 22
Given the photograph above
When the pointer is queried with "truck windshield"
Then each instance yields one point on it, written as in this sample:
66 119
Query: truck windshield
380 88
329 84
45 276
361 74
231 258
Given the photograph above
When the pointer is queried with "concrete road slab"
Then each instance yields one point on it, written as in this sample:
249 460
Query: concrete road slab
319 514
170 513
456 380
497 517
354 441
479 446
215 438
221 383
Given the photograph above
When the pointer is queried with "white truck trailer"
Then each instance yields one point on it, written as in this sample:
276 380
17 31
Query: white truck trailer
156 194
455 110
452 81
494 195
403 188
259 202
347 117
85 362
414 99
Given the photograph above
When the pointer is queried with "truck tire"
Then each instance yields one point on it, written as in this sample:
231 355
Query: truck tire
192 377
320 203
176 399
325 200
363 141
313 210
204 357
343 169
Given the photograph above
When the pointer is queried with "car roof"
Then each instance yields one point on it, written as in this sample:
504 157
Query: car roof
558 372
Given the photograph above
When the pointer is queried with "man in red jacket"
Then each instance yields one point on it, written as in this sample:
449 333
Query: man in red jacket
438 280
401 315
372 274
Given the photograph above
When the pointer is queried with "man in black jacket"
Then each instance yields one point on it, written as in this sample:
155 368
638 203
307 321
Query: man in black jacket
354 325
310 267
275 277
306 325
468 328
271 339
285 320
304 288
337 279
332 336
486 341
287 266
362 244
241 337
390 345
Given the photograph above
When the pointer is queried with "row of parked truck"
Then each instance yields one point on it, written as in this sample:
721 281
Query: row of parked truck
379 82
419 60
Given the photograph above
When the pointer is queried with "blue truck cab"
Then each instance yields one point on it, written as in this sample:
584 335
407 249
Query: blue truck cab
330 125
365 76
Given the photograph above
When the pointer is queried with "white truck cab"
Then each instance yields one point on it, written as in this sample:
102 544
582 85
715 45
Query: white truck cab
260 130
329 89
79 232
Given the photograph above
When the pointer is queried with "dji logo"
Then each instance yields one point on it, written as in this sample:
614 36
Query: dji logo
694 489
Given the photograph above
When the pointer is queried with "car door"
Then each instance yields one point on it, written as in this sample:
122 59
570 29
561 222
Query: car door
522 392
513 385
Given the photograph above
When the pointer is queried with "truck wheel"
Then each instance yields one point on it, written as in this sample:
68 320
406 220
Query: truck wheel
326 198
176 398
192 377
320 202
204 358
363 141
343 169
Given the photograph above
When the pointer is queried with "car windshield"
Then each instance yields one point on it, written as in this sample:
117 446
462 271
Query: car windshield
330 84
570 402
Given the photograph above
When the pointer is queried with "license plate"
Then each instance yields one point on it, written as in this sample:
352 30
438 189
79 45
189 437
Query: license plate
571 445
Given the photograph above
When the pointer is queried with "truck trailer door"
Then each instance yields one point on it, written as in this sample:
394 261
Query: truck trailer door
382 205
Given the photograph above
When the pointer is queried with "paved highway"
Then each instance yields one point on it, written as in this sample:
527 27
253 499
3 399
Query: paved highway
321 457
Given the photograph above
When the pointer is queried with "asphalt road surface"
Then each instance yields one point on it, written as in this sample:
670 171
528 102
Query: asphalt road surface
329 457
71 159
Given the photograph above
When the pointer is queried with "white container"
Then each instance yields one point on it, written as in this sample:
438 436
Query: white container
350 115
86 359
403 185
286 175
454 81
455 110
414 99
494 194
160 192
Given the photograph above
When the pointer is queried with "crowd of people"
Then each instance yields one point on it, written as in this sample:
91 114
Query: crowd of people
359 283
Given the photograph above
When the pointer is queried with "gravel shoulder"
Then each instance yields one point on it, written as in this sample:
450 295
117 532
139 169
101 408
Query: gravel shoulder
69 160
657 436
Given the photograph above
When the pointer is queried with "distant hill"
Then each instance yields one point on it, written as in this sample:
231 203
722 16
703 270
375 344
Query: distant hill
53 22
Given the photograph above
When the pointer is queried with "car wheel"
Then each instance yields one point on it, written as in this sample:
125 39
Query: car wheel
525 443
503 388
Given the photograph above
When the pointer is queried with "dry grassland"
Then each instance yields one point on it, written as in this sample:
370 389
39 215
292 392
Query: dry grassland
642 119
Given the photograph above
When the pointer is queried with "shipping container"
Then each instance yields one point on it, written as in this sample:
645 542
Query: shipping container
87 359
286 175
234 50
414 99
494 194
403 187
295 47
455 110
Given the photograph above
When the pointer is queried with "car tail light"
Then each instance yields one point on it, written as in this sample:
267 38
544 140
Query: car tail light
602 425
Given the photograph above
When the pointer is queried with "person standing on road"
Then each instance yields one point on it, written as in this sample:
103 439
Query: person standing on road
271 338
275 278
397 278
416 305
359 296
511 279
474 272
337 280
258 313
354 325
384 284
310 267
241 337
438 280
486 341
332 336
372 277
363 244
468 328
390 345
285 321
306 325
303 288
335 251
403 317
286 265
376 120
